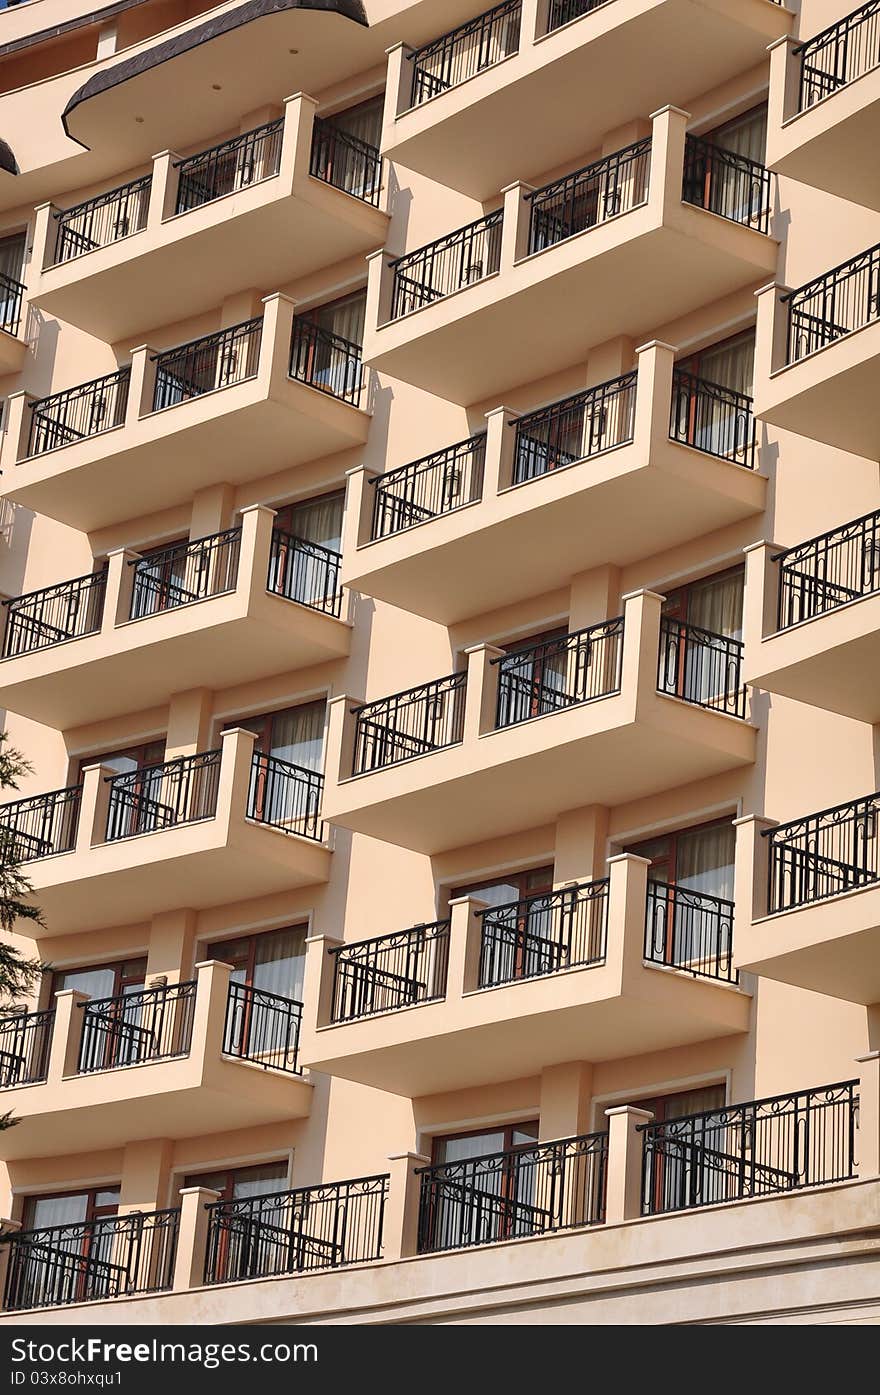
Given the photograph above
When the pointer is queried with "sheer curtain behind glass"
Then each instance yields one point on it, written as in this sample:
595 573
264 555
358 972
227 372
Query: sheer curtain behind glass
716 604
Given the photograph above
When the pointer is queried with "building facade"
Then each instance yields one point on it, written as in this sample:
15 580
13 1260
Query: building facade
441 528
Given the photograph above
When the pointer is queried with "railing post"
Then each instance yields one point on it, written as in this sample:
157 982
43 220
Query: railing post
641 646
481 691
318 982
357 520
380 288
16 428
771 331
7 1227
141 384
668 130
751 879
465 945
761 596
94 807
398 87
340 738
296 138
868 1138
209 1013
119 588
163 189
192 1237
783 100
500 451
401 1237
275 342
535 16
255 547
653 410
516 228
236 762
67 1034
43 247
625 1153
627 912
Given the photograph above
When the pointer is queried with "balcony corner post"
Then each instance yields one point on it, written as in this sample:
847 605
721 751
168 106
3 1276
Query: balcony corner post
357 518
641 646
465 945
43 245
141 384
535 17
16 428
627 913
783 100
481 692
380 288
66 1035
500 451
296 140
401 1228
163 188
516 227
209 1014
751 878
771 332
275 342
257 524
236 763
318 982
653 413
398 87
192 1237
120 588
868 1151
340 738
761 596
666 178
625 1153
94 807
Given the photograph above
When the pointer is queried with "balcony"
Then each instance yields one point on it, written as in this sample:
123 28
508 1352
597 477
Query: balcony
621 471
616 712
812 619
12 313
238 606
198 830
592 971
233 406
809 912
460 109
262 209
824 105
473 313
172 1061
817 350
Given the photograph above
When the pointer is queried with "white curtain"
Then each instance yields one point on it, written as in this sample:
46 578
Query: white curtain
716 604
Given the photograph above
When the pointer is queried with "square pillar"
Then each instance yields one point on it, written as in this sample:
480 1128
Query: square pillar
94 807
481 694
189 722
654 364
296 141
625 1153
398 87
627 911
641 646
192 1237
319 981
66 1035
783 101
163 188
566 1097
380 290
751 878
761 597
401 1228
236 763
146 1168
868 1137
142 384
357 521
581 844
172 946
209 1015
465 946
339 764
516 229
275 342
16 428
257 526
771 332
43 245
120 587
500 451
668 130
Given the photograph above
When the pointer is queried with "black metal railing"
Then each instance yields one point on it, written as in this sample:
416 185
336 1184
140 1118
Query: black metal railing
828 571
11 300
712 418
564 11
231 165
460 259
701 667
722 182
744 1150
100 221
40 825
91 1260
137 1028
78 412
322 1227
823 854
524 1191
544 934
409 724
598 419
436 484
189 572
162 796
839 54
54 614
559 673
206 364
834 305
286 796
465 51
25 1040
690 930
606 188
346 162
306 572
262 1027
390 972
326 361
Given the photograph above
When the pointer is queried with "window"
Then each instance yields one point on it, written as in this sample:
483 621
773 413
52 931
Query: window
114 1033
745 135
301 574
165 577
70 1208
730 363
730 187
329 357
513 886
272 962
12 251
128 760
686 927
136 805
474 1202
103 980
678 1156
295 734
240 1183
525 946
699 859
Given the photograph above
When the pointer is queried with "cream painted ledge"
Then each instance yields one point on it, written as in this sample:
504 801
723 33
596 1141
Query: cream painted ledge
830 395
831 661
620 1007
830 946
831 145
628 745
488 336
617 506
238 432
228 857
275 230
202 1092
238 636
808 1256
630 55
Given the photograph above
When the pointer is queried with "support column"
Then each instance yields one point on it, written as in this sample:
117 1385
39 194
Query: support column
66 1035
481 693
761 598
120 587
402 1207
566 1097
625 1150
318 981
189 723
465 944
500 451
146 1169
192 1237
516 229
172 946
581 845
751 878
213 510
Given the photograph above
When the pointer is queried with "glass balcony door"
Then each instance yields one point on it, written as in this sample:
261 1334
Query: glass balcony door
697 860
117 1024
694 668
295 572
527 947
